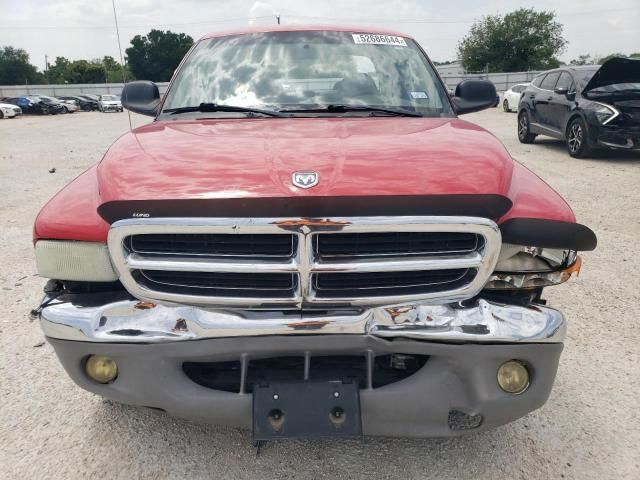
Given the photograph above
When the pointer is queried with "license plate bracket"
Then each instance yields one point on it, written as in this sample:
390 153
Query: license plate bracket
306 410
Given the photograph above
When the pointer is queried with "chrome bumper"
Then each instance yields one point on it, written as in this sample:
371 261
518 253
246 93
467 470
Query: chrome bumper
141 322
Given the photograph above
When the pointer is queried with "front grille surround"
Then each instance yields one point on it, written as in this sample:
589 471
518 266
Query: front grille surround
305 263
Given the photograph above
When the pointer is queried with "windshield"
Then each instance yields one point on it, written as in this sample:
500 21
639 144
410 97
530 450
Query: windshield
109 97
296 70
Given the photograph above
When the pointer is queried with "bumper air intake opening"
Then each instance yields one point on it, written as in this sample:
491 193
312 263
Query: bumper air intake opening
374 372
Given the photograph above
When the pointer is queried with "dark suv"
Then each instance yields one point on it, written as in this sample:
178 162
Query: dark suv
588 106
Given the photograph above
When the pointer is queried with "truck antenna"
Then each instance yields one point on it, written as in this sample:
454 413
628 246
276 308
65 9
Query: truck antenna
124 76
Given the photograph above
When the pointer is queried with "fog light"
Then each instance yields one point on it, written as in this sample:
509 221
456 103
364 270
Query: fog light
513 377
101 368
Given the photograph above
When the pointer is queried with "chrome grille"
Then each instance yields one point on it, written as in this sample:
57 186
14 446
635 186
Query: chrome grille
295 263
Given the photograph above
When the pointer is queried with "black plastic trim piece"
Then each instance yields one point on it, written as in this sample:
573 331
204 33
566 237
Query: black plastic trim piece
475 205
539 232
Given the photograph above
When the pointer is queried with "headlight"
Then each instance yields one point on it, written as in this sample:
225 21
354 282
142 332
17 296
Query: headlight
532 267
69 260
605 113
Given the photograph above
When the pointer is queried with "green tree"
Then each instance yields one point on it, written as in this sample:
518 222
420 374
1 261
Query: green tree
15 68
155 56
113 70
582 60
82 71
109 63
524 39
56 72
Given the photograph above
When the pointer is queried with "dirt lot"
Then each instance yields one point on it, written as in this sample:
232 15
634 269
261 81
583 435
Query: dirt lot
590 428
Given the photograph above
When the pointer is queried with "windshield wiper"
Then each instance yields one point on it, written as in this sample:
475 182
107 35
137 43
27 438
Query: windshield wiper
214 107
354 108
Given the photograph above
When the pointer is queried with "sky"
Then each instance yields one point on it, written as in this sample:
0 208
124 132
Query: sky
84 29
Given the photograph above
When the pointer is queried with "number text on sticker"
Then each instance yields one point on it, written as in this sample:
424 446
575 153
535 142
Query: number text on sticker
375 39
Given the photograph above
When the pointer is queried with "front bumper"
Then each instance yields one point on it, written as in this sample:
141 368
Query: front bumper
130 321
111 108
623 138
465 346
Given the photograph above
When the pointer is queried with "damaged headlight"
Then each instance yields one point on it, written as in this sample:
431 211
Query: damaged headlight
605 113
532 267
69 260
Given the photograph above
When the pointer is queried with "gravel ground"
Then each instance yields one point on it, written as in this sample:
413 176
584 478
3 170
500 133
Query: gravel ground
49 428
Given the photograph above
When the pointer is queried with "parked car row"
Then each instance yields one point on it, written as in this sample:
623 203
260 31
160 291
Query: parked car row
47 105
590 107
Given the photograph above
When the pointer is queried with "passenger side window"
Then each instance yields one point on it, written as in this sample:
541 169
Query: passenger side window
549 81
564 81
537 81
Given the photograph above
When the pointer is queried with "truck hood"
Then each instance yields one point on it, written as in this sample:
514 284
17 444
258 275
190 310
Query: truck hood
614 71
255 159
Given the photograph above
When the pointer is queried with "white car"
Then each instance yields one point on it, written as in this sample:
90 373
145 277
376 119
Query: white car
70 106
511 98
9 111
109 103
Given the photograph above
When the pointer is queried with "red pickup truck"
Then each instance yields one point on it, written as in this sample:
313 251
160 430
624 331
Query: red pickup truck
307 241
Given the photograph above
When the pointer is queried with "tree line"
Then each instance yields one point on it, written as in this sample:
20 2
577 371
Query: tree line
152 57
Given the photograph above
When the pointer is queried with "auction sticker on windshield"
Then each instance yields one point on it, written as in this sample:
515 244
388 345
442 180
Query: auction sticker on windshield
375 39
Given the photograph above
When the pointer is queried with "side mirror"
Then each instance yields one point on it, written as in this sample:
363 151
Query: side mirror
473 95
561 90
141 97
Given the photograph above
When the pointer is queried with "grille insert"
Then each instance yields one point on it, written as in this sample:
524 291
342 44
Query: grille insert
213 245
345 285
269 285
380 244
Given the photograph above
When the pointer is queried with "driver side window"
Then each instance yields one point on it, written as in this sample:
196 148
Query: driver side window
549 82
565 81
